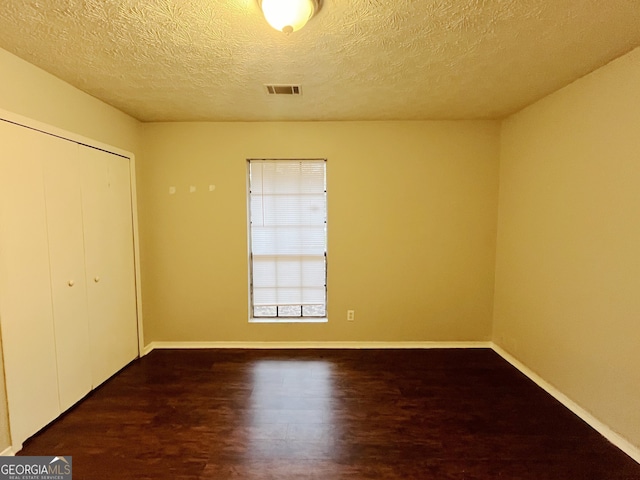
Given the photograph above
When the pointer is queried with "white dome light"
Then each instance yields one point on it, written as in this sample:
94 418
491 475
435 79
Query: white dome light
288 15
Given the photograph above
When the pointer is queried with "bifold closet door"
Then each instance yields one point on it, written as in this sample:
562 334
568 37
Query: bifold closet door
25 289
68 279
109 260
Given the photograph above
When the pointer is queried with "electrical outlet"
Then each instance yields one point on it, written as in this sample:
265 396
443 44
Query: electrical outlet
351 315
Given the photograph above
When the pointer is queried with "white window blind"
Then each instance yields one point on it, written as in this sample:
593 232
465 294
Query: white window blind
288 221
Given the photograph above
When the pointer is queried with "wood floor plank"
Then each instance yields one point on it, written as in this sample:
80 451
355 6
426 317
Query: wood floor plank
327 414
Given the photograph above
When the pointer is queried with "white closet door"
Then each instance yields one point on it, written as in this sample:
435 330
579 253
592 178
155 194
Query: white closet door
109 259
68 280
25 288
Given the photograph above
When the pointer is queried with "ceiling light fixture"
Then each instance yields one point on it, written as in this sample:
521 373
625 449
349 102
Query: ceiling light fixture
289 15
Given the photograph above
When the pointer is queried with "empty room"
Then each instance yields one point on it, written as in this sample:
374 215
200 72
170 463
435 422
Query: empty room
291 239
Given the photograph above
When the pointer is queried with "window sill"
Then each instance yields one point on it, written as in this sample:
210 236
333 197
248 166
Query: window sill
288 320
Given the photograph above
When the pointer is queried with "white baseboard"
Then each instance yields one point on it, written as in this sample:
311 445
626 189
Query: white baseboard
312 345
615 438
9 452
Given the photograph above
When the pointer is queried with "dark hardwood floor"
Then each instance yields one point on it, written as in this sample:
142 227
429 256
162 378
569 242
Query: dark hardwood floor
327 414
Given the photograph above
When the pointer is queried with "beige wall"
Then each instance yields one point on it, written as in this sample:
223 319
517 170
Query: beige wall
5 437
411 229
567 300
33 93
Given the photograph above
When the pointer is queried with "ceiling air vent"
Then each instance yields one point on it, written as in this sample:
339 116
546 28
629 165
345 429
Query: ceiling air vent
283 89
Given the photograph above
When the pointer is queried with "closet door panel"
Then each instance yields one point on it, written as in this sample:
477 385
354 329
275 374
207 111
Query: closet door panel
25 288
109 259
68 280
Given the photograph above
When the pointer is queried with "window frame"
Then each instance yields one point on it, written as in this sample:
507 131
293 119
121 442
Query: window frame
286 318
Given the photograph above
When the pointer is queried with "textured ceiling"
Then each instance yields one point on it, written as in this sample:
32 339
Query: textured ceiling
180 60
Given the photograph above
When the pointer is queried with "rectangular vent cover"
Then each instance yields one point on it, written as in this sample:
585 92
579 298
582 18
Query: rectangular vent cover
283 89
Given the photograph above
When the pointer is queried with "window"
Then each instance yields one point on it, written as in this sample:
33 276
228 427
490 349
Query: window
288 239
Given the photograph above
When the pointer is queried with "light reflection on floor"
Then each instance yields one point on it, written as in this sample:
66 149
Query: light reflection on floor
291 412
